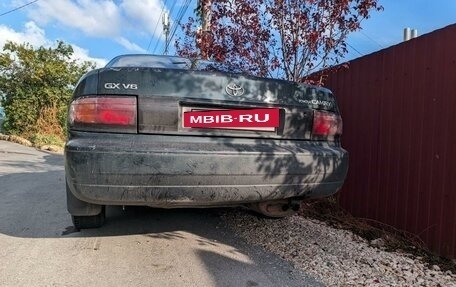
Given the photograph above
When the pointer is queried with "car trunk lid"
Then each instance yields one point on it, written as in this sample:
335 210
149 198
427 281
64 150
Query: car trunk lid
165 95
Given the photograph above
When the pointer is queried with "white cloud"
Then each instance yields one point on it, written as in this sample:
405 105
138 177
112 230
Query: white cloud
146 14
129 45
36 37
31 34
83 55
101 18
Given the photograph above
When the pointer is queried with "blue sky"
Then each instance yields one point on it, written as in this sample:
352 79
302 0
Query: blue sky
385 28
102 29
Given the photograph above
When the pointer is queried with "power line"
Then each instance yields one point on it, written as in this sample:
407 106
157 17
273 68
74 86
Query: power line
180 15
170 13
155 30
356 50
156 25
17 8
373 40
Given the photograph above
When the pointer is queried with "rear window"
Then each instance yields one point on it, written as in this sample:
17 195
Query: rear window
169 62
149 61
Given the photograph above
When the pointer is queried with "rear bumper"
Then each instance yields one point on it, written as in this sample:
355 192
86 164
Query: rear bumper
185 171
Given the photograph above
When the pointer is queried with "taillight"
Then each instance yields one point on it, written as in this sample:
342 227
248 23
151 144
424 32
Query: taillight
104 113
326 124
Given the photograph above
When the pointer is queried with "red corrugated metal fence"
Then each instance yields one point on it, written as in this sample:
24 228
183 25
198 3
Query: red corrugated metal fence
399 111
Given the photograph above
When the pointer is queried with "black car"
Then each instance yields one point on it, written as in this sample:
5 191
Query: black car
171 132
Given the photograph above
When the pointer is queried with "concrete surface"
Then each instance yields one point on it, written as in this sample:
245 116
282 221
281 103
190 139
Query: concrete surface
137 247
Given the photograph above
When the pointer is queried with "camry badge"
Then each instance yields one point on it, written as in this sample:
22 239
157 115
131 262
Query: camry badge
234 90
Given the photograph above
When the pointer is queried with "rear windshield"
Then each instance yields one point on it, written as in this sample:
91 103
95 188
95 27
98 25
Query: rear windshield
149 61
168 62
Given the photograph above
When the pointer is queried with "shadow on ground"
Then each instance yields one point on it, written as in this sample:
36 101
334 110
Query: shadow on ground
33 206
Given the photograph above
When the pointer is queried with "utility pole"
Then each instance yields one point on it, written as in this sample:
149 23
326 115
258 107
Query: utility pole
206 14
203 40
165 21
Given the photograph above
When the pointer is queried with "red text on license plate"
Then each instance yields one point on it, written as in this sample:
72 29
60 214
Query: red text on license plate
237 119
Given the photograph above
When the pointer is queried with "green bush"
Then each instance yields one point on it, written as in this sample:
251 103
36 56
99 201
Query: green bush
36 86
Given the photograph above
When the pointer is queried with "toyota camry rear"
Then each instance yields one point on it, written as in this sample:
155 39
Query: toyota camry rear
171 132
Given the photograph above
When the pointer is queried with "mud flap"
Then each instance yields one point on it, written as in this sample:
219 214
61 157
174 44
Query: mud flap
78 207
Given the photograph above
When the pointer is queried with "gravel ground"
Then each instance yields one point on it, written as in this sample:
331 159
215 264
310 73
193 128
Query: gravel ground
334 256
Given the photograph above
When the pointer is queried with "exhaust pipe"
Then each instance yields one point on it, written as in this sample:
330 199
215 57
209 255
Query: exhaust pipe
294 204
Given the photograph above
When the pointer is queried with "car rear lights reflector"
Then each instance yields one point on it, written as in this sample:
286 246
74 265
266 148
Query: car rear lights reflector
104 113
326 124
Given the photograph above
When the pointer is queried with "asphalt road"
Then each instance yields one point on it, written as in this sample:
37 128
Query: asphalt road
138 246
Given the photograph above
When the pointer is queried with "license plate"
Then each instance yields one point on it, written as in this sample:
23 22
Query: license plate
251 119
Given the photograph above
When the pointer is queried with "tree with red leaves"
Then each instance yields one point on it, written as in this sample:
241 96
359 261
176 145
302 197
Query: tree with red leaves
286 39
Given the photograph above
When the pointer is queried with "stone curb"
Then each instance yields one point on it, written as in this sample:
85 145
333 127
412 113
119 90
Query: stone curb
25 142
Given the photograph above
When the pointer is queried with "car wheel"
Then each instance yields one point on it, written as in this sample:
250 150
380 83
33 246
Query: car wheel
275 208
92 221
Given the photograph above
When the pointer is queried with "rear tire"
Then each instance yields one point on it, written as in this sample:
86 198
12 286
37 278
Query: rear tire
86 222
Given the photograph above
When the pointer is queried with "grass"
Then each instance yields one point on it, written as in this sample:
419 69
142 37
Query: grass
39 140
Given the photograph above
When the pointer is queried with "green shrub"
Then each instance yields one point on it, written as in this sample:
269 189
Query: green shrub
36 86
